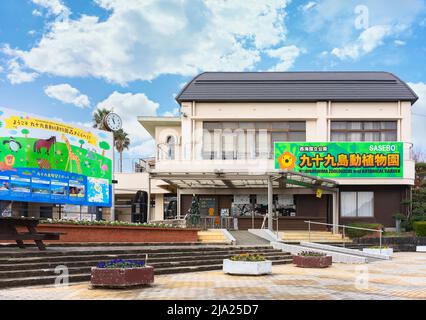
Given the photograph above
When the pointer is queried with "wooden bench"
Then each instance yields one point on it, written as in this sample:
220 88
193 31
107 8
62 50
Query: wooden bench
9 231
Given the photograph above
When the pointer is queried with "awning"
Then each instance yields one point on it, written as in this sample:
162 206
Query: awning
221 179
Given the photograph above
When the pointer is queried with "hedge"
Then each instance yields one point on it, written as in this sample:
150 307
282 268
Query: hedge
355 233
420 228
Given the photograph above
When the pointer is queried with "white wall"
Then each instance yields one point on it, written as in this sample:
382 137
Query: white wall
317 115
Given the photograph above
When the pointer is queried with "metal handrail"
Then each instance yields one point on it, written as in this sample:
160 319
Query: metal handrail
343 226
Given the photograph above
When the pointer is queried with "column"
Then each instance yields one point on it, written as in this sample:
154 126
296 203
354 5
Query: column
178 202
336 210
270 203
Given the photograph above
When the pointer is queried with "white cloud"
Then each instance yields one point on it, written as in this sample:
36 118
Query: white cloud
36 13
172 113
367 41
129 106
308 6
337 23
419 114
54 7
16 75
287 55
142 39
67 94
399 42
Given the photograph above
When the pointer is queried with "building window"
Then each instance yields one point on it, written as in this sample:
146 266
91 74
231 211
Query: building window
357 204
171 143
363 131
248 140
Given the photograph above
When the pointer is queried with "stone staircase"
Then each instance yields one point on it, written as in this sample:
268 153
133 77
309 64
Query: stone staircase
32 267
293 236
212 236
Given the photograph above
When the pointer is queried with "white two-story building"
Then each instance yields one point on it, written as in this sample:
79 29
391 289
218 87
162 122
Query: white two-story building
221 148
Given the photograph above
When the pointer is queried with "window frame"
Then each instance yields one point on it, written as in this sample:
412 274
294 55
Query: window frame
363 130
253 129
357 215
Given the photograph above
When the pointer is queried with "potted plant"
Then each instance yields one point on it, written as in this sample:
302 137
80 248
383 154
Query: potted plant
247 264
311 259
383 250
119 273
399 217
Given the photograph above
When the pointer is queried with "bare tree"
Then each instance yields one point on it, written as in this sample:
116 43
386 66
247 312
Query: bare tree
418 154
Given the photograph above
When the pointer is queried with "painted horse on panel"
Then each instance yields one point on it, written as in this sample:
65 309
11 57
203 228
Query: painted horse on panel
44 143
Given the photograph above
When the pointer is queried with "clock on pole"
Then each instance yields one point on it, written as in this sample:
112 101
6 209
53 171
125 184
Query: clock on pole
112 122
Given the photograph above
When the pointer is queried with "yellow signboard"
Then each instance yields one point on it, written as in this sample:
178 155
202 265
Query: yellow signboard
13 122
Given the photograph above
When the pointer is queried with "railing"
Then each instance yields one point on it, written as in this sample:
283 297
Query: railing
273 219
196 151
209 222
344 227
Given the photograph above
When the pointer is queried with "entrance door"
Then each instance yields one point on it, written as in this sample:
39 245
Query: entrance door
46 212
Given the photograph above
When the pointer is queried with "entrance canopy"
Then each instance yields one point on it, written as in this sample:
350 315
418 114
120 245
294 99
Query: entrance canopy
221 179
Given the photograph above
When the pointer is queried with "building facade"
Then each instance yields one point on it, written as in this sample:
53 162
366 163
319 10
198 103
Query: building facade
221 147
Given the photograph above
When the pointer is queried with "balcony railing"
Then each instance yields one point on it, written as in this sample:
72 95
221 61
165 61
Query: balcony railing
195 151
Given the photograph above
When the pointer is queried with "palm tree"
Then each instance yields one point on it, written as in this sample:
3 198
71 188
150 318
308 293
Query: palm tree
121 142
121 138
98 118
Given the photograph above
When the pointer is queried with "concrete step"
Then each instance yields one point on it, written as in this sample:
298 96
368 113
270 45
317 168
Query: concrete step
50 279
96 260
313 236
22 253
83 269
130 255
317 240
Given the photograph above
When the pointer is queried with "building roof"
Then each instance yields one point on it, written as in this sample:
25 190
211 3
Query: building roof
150 122
296 86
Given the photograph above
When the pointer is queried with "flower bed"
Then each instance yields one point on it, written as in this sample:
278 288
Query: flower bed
105 223
247 264
120 273
310 259
87 232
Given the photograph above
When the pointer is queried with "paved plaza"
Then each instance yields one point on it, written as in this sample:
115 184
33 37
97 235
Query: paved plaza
404 277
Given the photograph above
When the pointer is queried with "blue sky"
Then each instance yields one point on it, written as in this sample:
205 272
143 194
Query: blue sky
65 58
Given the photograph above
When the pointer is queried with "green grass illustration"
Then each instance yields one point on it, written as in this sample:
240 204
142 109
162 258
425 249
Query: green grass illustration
92 164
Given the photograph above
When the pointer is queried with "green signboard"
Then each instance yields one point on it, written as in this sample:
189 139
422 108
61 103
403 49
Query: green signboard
341 159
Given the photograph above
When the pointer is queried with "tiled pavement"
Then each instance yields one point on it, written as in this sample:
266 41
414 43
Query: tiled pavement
404 277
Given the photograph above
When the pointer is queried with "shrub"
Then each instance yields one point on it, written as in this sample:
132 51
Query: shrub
104 223
409 223
420 228
355 233
311 254
248 257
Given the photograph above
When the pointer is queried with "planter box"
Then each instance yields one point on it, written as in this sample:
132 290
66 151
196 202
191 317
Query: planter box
312 261
81 234
247 267
421 248
383 251
121 277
